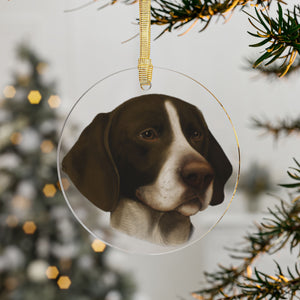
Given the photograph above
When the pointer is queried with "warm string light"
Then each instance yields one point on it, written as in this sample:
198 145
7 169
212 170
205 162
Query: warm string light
52 272
54 101
20 202
16 138
98 246
9 91
64 282
34 97
47 146
49 190
65 184
29 227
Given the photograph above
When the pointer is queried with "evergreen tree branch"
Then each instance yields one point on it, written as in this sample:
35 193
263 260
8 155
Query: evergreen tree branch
275 69
272 234
176 15
282 34
285 127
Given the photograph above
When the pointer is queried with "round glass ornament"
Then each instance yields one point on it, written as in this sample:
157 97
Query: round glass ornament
104 96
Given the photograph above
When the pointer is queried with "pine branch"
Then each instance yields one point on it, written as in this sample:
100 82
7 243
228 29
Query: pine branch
285 127
281 34
278 286
176 15
282 226
274 71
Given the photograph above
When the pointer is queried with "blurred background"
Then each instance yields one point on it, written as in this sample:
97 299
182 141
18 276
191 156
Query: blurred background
62 54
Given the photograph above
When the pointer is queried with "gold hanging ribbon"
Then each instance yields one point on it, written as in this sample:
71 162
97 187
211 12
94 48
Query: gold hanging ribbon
145 66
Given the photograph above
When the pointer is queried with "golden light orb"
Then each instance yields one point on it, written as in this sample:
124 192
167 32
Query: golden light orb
9 91
16 138
34 97
64 282
20 202
47 146
65 183
29 227
54 101
52 272
49 190
98 246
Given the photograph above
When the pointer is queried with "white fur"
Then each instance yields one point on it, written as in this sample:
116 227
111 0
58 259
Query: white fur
138 220
165 194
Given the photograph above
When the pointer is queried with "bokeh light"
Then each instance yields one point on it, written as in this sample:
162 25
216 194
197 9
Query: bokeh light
64 282
52 272
49 190
16 138
29 227
98 246
34 97
54 101
9 91
65 183
46 146
20 202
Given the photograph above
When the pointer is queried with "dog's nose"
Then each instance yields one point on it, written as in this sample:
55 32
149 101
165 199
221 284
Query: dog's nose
197 175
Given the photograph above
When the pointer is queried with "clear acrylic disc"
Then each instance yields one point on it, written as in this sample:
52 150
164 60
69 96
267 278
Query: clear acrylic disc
103 97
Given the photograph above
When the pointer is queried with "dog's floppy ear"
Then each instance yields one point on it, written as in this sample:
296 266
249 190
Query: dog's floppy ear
222 167
90 166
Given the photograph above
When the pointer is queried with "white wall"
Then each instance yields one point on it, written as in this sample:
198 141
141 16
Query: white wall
84 46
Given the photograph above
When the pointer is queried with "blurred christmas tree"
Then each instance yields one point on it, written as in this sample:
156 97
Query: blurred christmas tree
44 253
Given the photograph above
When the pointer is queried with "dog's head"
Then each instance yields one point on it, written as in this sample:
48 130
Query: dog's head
155 149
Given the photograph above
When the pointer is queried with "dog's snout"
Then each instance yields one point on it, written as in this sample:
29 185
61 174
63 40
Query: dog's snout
197 175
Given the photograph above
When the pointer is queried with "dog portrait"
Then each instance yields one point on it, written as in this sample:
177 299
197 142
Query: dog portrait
152 163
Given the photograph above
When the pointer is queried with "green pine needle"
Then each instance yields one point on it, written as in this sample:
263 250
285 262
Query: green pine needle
281 34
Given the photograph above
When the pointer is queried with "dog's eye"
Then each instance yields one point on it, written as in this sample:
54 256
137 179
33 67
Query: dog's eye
196 135
149 134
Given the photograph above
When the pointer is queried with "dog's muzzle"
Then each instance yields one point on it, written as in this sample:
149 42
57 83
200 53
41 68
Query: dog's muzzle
197 177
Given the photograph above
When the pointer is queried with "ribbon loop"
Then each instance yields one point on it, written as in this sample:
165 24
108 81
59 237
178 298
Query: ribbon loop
144 64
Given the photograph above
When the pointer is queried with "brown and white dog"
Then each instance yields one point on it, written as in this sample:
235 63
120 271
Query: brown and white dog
152 162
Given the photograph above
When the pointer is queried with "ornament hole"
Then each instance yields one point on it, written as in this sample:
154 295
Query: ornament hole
146 87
